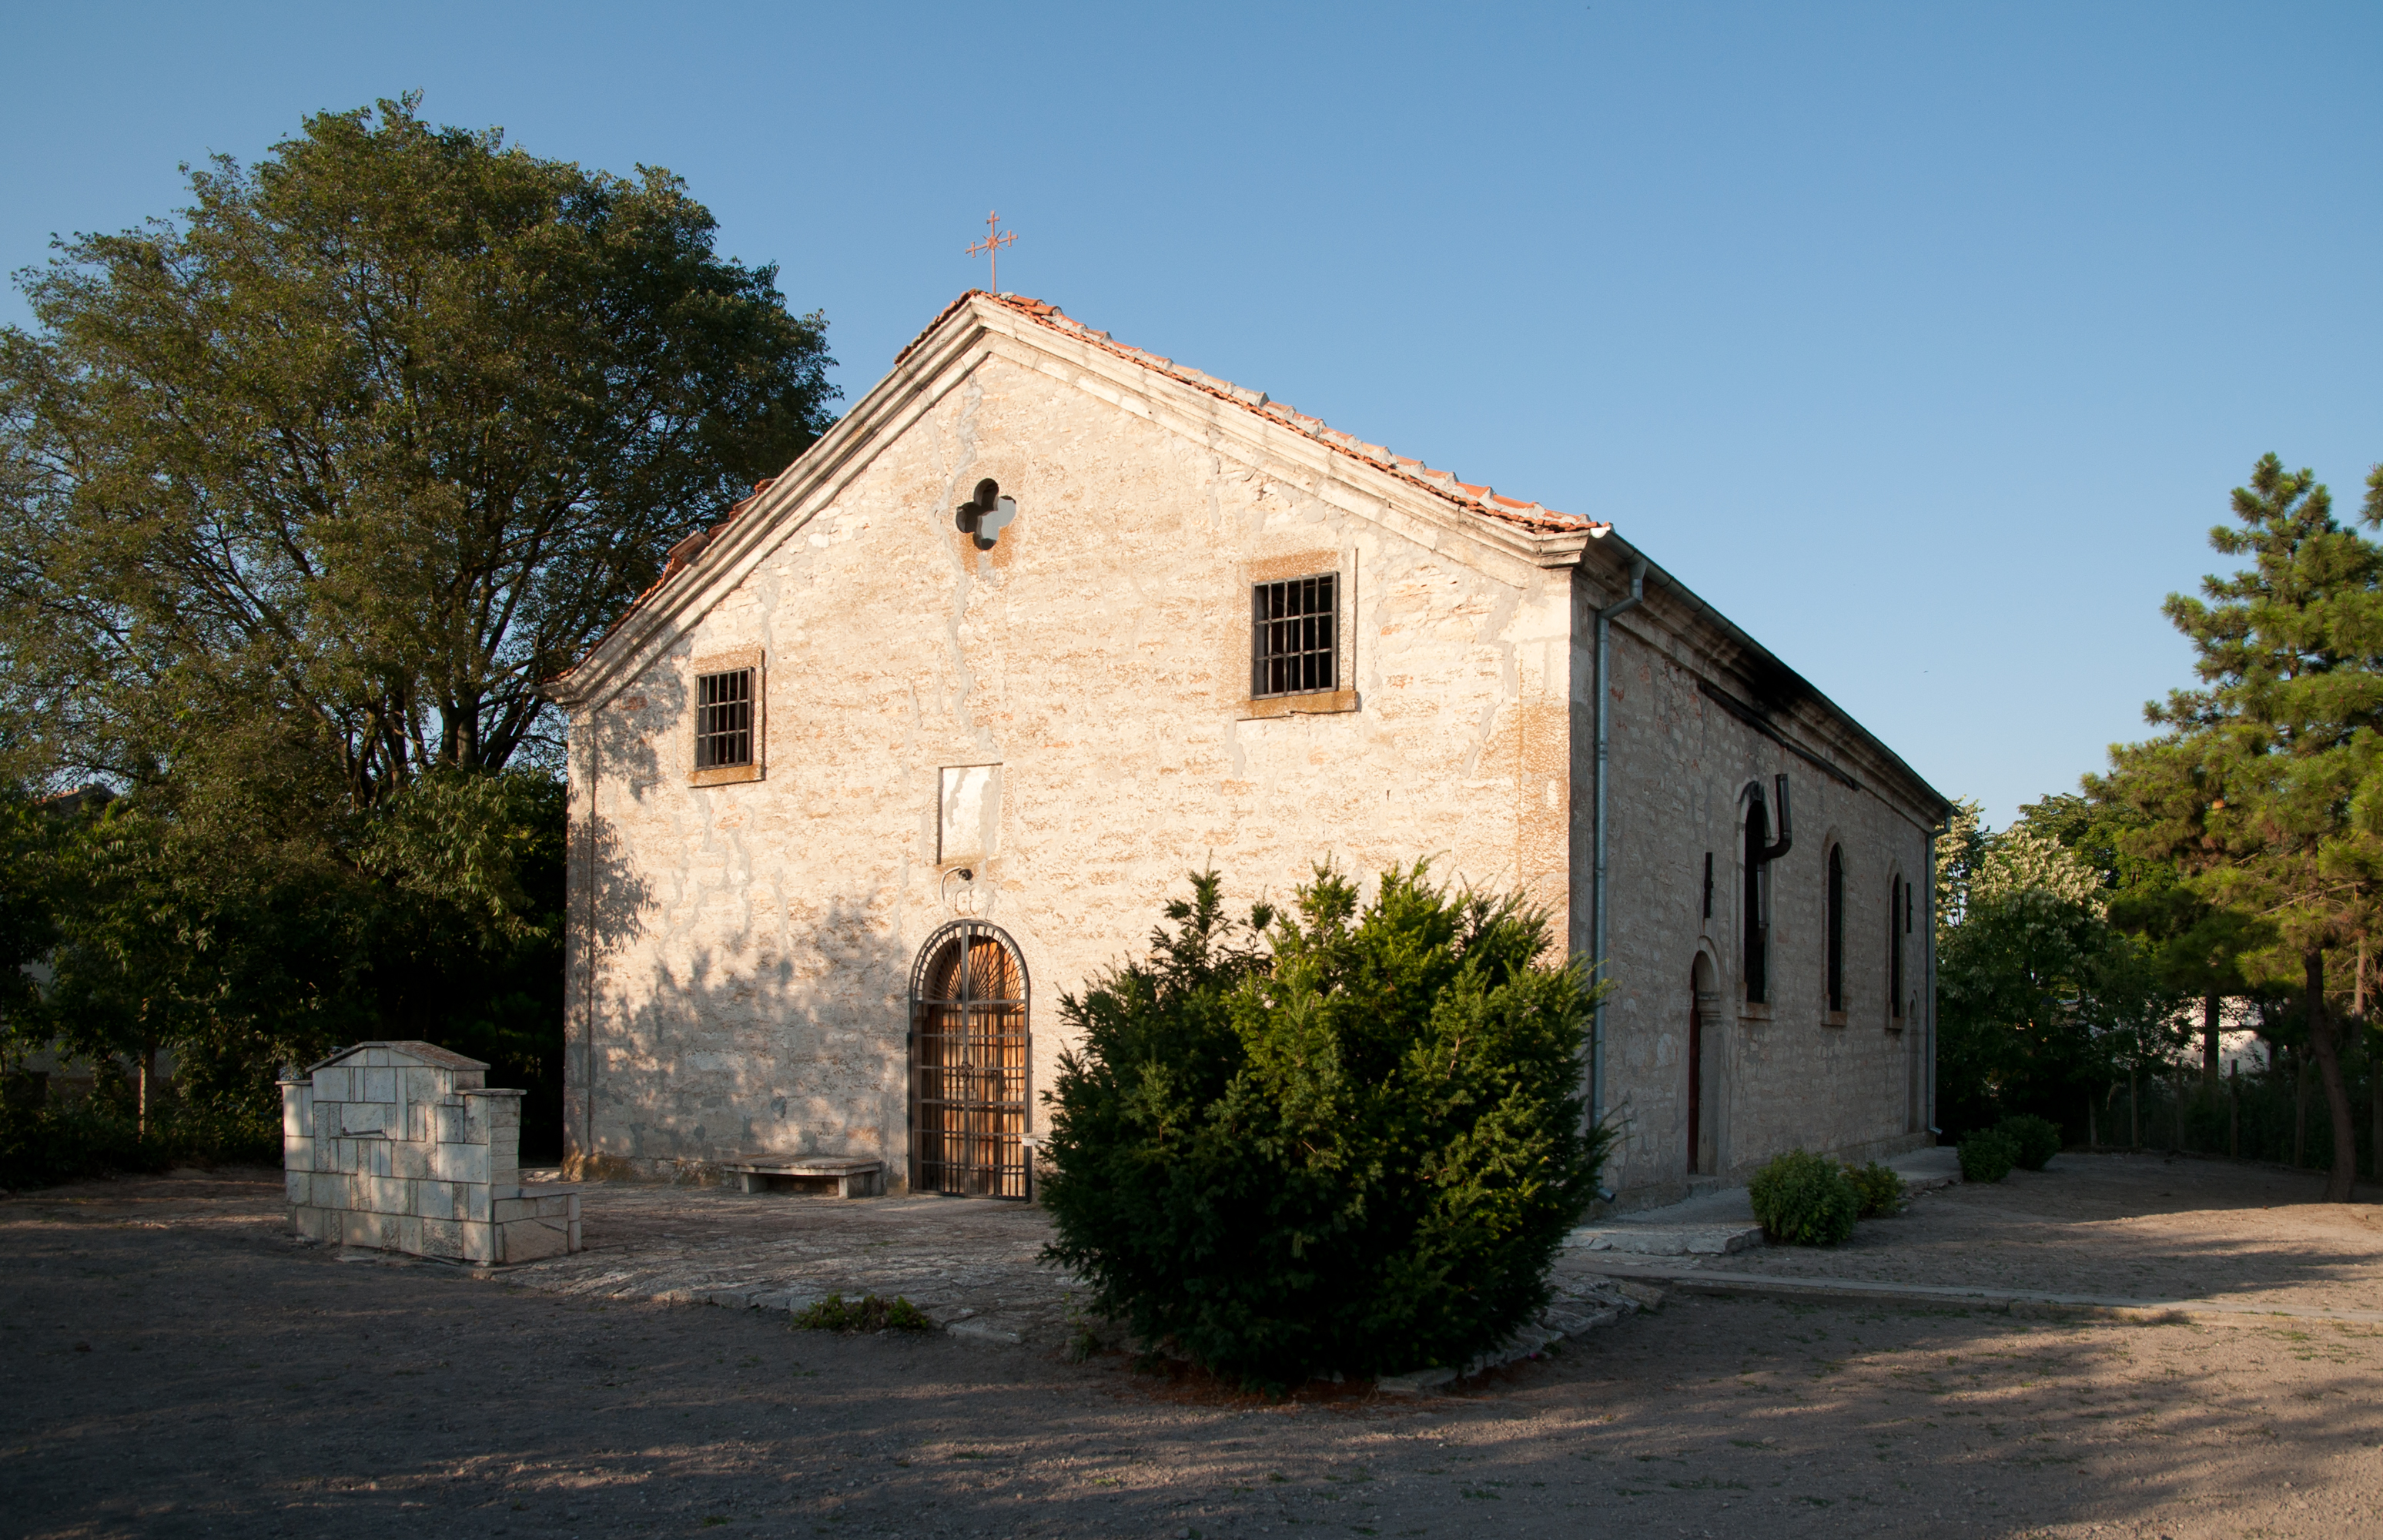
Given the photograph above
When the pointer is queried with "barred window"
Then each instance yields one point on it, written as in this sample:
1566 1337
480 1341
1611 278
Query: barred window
724 718
1293 647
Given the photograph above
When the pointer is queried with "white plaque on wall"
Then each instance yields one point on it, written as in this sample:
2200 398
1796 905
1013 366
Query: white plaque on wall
970 822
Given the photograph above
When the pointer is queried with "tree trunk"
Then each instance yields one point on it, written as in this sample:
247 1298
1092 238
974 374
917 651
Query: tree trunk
2211 1037
2374 1094
2176 1088
2234 1113
2300 1108
2343 1177
2134 1111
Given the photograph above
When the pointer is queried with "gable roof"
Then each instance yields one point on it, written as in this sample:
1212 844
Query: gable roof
1425 498
1473 499
400 1052
1531 520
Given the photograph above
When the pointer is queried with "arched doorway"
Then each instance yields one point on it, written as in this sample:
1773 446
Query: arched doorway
969 1063
1704 1002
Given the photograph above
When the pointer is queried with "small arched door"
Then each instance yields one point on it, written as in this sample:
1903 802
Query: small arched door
970 1055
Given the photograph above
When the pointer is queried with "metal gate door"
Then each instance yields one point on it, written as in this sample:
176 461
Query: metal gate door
970 1059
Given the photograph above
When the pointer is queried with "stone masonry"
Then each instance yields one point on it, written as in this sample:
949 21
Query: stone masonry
403 1146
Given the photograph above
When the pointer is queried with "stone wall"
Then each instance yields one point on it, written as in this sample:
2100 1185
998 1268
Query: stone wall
744 950
403 1146
1786 1073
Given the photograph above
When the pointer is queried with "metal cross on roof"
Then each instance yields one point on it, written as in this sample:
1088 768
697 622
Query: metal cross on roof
996 237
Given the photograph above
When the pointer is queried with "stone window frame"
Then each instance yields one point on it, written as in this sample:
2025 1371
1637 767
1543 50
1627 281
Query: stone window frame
1341 567
731 660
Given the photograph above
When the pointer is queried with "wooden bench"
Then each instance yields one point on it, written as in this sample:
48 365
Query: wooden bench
853 1178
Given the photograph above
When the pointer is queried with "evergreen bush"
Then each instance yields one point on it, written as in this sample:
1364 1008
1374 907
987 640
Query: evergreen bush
1805 1198
1330 1140
1988 1155
2033 1140
1879 1189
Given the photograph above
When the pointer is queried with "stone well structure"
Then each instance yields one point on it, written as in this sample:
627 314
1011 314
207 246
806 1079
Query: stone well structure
403 1147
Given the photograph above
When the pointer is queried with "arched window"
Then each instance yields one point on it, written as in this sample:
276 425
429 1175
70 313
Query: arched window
1836 930
970 1055
1895 924
1758 907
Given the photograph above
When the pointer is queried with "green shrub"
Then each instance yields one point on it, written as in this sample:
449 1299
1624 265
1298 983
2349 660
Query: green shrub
1805 1198
867 1313
1356 1147
2033 1140
48 1141
1879 1189
1988 1155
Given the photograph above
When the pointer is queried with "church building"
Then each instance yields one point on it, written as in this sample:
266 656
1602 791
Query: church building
922 735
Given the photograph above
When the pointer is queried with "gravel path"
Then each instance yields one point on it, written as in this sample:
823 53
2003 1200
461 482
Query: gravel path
171 1365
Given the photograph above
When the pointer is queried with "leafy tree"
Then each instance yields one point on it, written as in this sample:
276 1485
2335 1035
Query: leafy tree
2196 947
2040 997
2268 787
28 930
301 493
1960 850
1357 1147
241 935
384 430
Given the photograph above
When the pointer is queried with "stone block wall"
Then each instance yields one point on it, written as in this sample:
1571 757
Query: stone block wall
743 951
403 1146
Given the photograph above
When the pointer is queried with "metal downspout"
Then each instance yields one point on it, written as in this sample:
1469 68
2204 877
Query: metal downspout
1596 867
587 955
1930 1121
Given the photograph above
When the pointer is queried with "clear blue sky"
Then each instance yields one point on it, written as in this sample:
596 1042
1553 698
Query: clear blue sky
1925 341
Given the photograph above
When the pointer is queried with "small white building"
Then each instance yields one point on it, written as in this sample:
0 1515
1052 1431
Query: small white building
922 735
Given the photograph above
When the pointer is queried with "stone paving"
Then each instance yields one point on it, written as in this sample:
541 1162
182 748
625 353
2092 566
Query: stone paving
2137 1229
973 1265
1722 1222
2144 1230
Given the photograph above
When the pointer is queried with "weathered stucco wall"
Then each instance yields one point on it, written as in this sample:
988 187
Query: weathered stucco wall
742 953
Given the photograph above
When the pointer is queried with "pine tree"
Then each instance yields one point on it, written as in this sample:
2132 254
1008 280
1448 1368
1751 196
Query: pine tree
2268 786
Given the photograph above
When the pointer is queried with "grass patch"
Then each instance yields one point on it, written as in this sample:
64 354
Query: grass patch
867 1313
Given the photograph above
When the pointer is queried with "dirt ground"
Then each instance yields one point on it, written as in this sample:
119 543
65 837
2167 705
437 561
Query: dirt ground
171 1364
